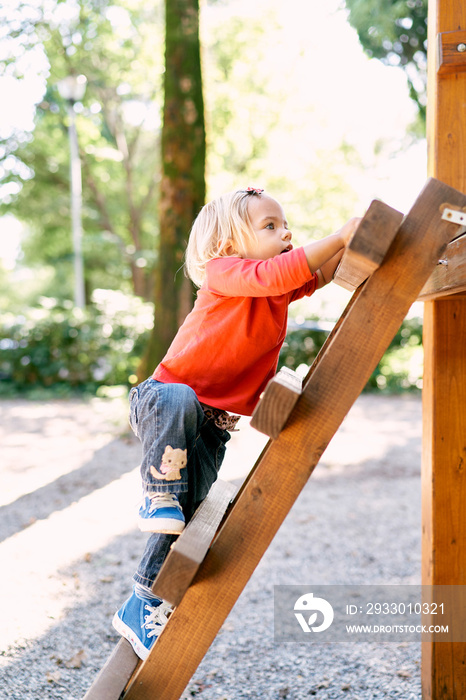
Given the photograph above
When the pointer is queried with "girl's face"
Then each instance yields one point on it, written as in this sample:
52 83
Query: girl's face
270 226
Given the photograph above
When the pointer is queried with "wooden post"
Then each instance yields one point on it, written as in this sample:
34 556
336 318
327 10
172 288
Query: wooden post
444 394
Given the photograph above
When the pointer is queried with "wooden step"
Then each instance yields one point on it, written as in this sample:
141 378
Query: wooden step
368 246
277 402
188 551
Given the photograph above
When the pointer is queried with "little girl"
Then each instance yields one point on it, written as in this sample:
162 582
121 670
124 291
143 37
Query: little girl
241 256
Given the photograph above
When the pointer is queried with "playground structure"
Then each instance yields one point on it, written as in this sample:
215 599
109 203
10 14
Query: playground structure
215 557
210 564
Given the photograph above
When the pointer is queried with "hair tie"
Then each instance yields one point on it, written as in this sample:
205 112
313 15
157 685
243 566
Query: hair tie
253 190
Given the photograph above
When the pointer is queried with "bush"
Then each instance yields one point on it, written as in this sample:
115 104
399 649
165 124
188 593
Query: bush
400 369
56 344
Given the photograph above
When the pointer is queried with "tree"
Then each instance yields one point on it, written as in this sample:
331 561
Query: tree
119 49
182 190
395 31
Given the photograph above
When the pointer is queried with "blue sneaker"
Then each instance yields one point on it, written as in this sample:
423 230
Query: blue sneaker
161 512
141 622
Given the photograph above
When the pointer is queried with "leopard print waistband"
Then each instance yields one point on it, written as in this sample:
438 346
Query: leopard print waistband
222 419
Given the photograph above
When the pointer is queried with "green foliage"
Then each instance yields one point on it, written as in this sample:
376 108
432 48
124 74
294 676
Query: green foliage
28 286
395 31
239 95
400 369
302 346
119 48
57 345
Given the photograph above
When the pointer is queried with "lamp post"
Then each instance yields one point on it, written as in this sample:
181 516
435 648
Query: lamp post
72 90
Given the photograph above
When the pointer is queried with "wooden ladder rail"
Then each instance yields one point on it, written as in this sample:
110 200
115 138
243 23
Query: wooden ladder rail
333 384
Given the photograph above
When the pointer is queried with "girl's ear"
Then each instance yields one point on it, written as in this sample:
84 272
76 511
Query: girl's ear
228 248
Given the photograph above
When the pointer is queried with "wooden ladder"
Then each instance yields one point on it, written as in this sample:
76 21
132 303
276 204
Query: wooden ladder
216 555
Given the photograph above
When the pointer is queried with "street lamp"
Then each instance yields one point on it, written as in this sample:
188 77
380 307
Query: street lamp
72 90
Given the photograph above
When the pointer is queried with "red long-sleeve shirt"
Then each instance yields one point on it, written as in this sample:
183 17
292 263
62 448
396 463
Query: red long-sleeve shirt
227 348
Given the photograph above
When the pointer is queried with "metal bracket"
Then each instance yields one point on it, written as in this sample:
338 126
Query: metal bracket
455 217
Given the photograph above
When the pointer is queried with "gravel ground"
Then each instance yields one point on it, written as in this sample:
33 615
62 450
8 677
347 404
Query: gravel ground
67 540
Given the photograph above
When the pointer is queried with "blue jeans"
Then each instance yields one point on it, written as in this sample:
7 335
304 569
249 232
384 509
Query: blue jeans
182 453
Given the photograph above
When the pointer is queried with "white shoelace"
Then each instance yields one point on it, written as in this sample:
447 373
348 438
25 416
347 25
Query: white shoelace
159 500
157 618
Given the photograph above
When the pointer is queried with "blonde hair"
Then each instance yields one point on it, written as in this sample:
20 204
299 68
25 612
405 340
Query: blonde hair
221 228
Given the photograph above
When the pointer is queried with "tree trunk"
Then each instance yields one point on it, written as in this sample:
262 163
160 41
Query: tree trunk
183 174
